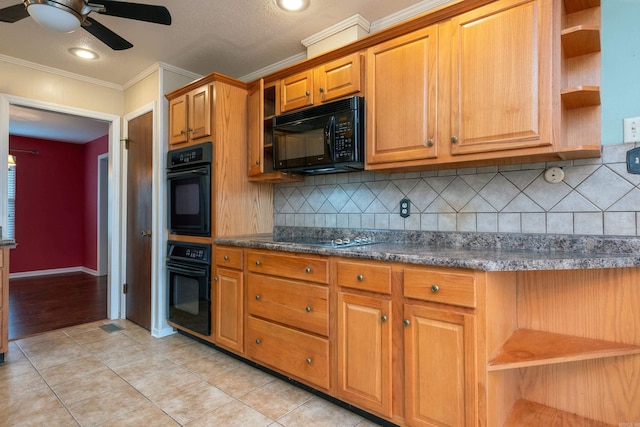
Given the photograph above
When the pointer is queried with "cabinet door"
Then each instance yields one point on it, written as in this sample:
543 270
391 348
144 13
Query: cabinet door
401 98
199 113
364 352
500 77
255 129
440 376
296 91
339 78
178 120
228 309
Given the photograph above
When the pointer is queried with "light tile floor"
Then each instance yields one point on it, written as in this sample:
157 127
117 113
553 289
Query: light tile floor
85 376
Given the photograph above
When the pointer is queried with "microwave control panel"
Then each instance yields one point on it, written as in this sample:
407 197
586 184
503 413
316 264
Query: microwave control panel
344 140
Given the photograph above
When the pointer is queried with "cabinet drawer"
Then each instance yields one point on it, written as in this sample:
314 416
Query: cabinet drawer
296 304
229 257
288 266
292 352
365 276
440 286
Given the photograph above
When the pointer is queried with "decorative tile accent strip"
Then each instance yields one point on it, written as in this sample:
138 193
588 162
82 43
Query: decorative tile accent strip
597 197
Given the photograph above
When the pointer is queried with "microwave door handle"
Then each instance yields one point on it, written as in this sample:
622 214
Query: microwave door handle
329 132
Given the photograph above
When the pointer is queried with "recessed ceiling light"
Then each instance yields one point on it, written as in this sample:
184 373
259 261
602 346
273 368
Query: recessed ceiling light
83 53
292 5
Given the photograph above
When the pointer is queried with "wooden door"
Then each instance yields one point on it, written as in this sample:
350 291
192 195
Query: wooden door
339 78
440 374
139 202
501 77
178 120
199 113
364 352
296 91
255 128
402 86
229 309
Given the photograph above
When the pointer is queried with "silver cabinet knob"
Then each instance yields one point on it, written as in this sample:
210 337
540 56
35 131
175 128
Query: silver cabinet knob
430 143
308 309
406 322
258 341
226 257
307 270
307 93
215 279
321 90
383 318
308 361
257 297
454 139
435 289
360 277
257 262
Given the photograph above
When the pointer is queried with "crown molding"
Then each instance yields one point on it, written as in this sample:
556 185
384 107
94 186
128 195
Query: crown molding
273 67
160 66
356 19
62 73
408 13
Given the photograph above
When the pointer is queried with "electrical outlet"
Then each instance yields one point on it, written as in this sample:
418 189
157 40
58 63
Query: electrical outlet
405 208
631 129
633 161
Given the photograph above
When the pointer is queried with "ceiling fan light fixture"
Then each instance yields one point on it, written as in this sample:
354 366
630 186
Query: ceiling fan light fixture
83 53
53 15
293 5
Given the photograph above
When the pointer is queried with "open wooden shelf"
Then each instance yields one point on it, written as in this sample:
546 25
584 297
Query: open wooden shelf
580 96
580 40
572 6
527 347
530 414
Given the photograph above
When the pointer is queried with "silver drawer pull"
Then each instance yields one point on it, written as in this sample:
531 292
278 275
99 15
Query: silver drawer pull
435 288
307 270
383 318
360 277
406 322
308 361
258 297
257 262
308 309
258 341
226 257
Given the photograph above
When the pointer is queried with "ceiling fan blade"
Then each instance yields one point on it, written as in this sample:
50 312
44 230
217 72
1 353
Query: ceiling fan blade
137 11
13 13
106 36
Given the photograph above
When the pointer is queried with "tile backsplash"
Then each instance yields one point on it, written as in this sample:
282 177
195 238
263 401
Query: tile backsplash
596 197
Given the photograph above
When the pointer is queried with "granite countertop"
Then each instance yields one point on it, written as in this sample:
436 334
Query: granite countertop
478 251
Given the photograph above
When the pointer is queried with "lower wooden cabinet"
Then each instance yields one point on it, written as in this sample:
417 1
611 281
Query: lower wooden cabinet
364 352
228 299
303 356
439 348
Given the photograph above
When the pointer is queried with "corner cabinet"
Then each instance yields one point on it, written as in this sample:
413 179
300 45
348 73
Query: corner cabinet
262 107
4 302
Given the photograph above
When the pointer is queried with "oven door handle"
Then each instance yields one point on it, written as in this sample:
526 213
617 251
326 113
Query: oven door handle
198 272
180 174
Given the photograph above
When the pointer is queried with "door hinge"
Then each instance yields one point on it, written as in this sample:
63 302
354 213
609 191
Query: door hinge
126 143
125 288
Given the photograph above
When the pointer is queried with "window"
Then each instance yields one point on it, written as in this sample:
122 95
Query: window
11 192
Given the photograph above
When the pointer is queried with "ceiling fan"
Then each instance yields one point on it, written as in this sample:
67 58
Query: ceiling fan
68 15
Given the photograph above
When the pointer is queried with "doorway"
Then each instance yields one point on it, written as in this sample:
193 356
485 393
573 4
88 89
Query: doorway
114 184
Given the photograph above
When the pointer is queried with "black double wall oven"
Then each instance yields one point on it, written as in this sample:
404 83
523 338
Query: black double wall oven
188 264
189 285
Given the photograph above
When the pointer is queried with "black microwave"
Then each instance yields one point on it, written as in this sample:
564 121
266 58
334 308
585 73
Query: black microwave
328 138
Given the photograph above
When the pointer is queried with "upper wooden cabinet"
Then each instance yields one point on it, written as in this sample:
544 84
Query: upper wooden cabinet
501 77
491 85
401 98
326 82
262 106
190 116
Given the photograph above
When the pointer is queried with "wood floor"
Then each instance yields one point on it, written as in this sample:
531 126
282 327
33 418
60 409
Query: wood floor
44 303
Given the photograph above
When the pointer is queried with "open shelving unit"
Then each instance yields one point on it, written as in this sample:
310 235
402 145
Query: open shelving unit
580 72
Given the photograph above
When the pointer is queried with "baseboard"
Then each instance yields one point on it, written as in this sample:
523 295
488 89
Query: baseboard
52 271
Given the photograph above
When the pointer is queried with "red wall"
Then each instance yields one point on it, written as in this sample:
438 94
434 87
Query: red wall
56 193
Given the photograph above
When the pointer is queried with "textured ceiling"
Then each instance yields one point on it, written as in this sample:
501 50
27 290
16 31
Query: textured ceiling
237 38
234 38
